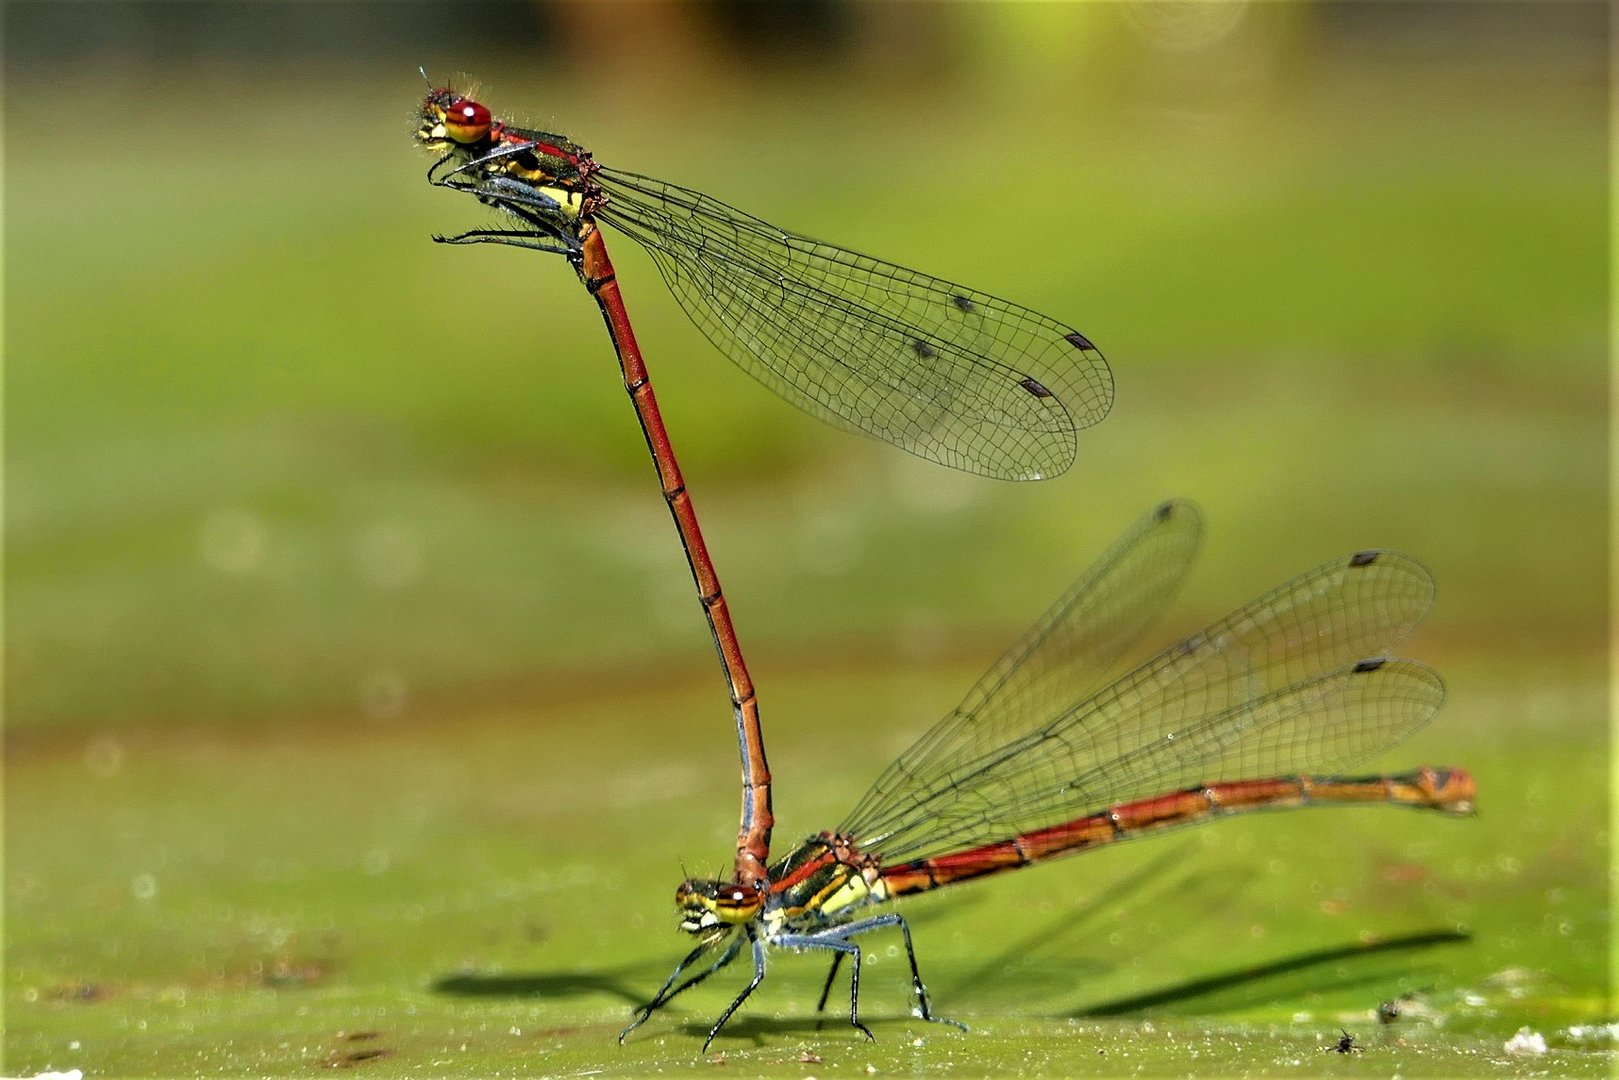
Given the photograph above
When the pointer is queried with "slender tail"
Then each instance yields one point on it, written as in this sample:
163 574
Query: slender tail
1447 790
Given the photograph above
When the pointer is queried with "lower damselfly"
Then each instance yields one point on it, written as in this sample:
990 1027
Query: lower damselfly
951 374
1044 757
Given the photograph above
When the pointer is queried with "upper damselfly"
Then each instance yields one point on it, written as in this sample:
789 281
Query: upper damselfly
1044 757
949 373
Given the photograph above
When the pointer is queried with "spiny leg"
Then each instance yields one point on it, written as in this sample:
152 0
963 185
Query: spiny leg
877 922
916 977
663 996
835 938
507 192
515 198
500 153
758 977
730 954
523 238
663 993
438 178
853 951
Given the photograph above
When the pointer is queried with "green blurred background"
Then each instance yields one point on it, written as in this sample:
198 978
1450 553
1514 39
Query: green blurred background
355 682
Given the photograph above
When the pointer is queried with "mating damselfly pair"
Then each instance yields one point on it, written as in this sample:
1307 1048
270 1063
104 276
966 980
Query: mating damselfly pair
1046 754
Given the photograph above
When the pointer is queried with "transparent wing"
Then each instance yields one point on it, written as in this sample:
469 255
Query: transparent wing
1323 723
1278 686
948 373
1059 660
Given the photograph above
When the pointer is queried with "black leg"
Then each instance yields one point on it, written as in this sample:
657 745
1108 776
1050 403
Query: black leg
663 995
498 154
837 938
730 954
504 191
448 179
523 238
758 977
854 987
433 169
916 979
837 959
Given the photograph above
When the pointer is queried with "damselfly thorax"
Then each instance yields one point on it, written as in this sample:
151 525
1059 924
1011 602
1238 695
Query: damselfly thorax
545 173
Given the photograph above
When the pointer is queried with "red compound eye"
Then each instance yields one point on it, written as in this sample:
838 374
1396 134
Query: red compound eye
466 121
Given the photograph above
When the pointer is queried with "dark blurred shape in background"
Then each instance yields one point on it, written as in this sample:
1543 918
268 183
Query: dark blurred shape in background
758 35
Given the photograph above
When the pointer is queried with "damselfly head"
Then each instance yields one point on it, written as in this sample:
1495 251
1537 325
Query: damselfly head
708 905
450 119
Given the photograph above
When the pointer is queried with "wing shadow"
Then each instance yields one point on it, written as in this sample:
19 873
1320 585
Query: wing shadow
1255 978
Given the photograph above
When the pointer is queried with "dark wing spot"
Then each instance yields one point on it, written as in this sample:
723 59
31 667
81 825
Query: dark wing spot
1164 510
1035 387
1363 558
1362 666
924 350
962 302
1079 341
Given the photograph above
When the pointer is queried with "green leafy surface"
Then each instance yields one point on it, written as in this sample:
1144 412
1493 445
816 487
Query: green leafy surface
485 890
359 712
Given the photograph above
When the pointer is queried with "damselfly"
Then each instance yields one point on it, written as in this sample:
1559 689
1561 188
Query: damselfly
1042 759
948 373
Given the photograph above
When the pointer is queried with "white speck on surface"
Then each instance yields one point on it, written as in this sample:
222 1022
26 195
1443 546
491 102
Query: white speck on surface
1594 1032
71 1074
1526 1043
144 886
